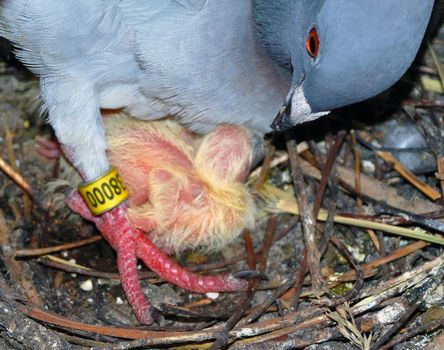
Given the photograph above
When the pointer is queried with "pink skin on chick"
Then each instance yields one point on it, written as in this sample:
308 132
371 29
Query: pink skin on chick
187 191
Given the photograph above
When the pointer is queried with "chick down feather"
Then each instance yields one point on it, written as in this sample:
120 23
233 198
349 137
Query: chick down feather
187 190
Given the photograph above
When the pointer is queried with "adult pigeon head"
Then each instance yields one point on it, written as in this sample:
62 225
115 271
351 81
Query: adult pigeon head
340 52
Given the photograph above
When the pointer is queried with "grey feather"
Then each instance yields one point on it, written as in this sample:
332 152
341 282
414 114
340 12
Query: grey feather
206 61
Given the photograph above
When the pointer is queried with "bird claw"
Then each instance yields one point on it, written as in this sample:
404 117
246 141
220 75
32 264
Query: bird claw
157 316
248 274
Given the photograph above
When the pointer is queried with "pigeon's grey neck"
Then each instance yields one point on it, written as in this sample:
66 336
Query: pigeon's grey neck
273 18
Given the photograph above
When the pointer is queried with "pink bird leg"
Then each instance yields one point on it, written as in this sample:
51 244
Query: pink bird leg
130 244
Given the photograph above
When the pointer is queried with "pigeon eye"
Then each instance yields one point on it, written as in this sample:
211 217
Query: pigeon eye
312 43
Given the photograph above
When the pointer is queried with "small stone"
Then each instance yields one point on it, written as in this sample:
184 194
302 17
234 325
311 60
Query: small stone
86 286
212 295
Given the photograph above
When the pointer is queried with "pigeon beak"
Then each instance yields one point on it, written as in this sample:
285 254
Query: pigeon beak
295 110
283 121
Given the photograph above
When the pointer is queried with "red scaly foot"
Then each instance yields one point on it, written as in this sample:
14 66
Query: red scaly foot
130 244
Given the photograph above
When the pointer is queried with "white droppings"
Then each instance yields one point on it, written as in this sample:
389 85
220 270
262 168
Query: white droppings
65 254
357 254
390 314
86 286
73 262
245 332
368 166
434 296
212 295
285 177
119 301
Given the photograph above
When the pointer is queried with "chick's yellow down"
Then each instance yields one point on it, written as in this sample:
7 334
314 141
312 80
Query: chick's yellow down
187 190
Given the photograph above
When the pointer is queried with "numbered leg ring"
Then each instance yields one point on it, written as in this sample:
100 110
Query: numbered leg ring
104 193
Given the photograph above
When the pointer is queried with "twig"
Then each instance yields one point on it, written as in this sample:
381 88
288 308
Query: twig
440 172
404 318
437 62
223 337
61 264
375 295
413 332
329 223
224 263
18 179
293 341
357 168
265 168
259 310
375 189
370 267
54 249
287 203
270 231
423 103
422 220
283 288
299 281
409 176
327 170
359 279
357 158
279 159
17 269
268 240
307 217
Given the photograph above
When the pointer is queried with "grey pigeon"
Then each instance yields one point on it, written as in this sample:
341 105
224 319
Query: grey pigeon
207 61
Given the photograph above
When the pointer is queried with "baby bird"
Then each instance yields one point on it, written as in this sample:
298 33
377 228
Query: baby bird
187 192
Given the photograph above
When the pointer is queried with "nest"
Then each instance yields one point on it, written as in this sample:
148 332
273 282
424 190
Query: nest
367 273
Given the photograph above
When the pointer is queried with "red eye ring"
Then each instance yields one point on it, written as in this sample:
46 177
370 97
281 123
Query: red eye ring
312 43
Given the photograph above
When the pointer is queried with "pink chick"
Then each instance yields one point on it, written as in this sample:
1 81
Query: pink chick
187 192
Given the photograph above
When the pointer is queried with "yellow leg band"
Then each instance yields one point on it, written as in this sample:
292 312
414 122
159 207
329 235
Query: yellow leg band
104 193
